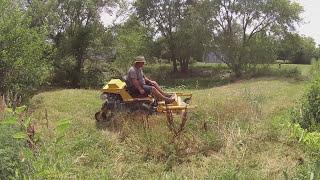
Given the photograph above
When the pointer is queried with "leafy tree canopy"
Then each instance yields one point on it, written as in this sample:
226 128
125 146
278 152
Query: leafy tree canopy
236 24
23 51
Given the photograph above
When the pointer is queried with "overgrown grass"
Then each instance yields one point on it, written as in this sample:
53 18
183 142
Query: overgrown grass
239 130
231 134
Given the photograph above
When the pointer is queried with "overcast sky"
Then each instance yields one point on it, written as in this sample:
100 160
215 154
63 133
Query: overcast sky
311 15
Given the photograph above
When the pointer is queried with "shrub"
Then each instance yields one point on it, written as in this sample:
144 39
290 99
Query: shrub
12 150
92 78
286 71
308 115
315 69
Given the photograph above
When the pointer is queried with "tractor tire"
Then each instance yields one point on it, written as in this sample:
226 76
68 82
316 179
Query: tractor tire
100 116
103 116
97 116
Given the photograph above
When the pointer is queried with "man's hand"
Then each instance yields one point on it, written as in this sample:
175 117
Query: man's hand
153 83
141 91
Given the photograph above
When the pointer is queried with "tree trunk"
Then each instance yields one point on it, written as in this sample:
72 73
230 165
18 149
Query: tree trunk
14 102
237 70
77 70
184 65
173 59
175 67
2 103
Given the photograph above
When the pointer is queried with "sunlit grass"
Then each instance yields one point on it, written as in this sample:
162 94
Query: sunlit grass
229 134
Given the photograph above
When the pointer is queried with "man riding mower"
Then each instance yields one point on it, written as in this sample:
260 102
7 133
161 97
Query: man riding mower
138 93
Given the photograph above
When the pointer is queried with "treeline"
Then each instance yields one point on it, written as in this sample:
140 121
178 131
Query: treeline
64 43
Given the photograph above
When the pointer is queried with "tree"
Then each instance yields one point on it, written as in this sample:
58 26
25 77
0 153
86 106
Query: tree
235 25
75 28
192 37
190 41
78 28
163 17
296 48
131 40
23 52
316 54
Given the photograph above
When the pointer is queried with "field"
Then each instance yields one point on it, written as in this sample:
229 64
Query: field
237 131
254 115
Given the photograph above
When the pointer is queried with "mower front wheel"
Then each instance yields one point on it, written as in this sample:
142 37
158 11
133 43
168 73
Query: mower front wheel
101 116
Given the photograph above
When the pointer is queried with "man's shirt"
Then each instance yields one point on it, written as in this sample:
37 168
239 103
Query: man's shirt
135 73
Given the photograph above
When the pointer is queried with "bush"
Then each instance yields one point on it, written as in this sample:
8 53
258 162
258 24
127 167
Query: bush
92 78
308 115
315 69
12 150
285 71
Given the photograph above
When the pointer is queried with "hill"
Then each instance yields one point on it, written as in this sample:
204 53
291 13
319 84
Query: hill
236 131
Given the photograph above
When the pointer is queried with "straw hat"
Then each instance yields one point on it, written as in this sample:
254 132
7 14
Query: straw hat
139 59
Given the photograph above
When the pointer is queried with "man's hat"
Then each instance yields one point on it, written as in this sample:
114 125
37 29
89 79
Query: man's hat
139 59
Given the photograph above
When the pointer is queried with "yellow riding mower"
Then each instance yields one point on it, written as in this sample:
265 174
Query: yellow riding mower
118 98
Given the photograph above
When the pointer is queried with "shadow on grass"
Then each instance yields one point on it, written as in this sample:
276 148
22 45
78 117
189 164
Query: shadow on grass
204 77
195 82
115 121
112 124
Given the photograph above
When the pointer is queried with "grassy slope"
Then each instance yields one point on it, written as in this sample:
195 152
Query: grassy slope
247 111
232 133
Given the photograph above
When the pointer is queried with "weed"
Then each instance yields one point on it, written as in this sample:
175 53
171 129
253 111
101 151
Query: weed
14 161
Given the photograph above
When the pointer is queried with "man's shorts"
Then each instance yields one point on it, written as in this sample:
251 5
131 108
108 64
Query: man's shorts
146 88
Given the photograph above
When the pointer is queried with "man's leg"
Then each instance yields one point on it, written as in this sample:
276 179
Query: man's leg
157 94
156 85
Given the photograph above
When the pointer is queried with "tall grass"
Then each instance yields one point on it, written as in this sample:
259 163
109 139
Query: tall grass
228 135
235 132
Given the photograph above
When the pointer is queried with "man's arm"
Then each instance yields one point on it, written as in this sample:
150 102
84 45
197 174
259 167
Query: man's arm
137 85
148 81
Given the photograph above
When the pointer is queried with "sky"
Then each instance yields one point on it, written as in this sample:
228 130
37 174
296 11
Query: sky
311 16
310 26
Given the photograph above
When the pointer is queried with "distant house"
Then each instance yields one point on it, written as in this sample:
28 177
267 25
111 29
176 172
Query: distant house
211 57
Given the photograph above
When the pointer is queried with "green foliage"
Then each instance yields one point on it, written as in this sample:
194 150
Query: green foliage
24 52
315 69
310 141
14 156
170 20
92 78
286 71
316 53
77 35
308 115
296 48
240 28
131 40
200 75
261 50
